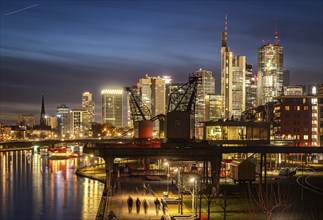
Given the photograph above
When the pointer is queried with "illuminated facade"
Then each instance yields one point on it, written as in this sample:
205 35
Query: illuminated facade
152 91
213 107
80 122
232 80
51 121
26 120
293 90
226 75
112 107
299 119
227 133
251 88
63 120
270 73
207 86
88 104
238 86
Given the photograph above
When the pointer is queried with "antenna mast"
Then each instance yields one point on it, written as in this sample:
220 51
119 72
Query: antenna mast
276 33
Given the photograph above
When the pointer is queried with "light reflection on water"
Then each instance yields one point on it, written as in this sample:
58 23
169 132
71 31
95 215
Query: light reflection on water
34 187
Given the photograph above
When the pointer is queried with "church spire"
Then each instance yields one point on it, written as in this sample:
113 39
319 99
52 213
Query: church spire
42 113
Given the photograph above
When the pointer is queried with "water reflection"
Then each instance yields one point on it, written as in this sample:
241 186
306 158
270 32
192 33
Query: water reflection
36 187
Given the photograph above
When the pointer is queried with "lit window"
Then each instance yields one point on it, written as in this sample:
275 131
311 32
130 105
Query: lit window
305 137
305 107
314 101
287 108
298 108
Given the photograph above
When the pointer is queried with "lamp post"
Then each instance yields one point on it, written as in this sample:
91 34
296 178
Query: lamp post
192 180
167 164
180 209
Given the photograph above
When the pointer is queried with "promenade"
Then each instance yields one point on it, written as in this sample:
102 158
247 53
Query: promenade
133 186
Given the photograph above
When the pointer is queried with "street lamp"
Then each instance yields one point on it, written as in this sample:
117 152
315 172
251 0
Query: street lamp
167 164
179 189
192 180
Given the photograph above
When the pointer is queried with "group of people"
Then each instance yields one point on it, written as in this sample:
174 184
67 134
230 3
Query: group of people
158 205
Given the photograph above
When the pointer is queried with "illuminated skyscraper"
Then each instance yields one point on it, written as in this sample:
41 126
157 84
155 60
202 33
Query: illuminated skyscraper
251 88
63 120
80 122
270 72
152 91
207 86
213 107
112 107
232 79
238 86
88 105
226 73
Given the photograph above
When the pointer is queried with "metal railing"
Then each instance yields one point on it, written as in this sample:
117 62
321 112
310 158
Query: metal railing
100 215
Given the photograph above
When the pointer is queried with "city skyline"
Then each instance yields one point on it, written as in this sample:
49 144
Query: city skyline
65 49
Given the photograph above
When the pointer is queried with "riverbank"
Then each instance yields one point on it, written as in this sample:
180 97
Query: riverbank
95 172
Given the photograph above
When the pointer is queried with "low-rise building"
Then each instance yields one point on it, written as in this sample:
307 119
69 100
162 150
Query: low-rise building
299 119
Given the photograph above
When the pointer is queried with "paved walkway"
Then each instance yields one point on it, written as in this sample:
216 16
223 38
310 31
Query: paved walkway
129 186
118 204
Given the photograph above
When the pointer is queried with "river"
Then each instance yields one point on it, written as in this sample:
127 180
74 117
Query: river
36 187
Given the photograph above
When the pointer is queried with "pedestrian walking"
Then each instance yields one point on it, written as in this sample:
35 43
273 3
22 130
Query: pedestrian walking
157 205
148 188
164 206
130 202
138 203
144 189
146 205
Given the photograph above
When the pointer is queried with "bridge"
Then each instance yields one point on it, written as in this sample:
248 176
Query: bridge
187 151
208 152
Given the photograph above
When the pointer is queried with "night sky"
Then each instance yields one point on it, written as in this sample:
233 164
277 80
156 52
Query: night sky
63 48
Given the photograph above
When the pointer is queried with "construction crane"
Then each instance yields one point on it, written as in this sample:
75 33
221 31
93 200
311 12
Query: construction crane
142 119
181 111
139 111
183 98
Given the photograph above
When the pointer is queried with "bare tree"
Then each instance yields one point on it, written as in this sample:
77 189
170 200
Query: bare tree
272 201
209 193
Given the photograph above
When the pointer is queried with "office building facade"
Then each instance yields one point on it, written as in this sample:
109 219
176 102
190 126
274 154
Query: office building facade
112 107
299 119
80 123
251 88
152 92
63 120
270 73
88 105
213 107
207 86
232 80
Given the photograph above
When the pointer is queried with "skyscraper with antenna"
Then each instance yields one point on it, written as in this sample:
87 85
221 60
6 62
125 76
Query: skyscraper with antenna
226 71
270 70
232 78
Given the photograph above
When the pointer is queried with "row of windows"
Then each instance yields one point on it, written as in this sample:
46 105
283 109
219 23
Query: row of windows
298 108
